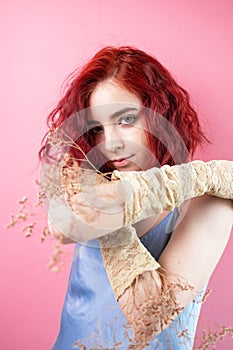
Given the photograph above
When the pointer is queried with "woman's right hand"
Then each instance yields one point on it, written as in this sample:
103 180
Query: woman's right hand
89 214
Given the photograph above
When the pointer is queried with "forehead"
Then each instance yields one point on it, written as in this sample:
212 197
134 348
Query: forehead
109 99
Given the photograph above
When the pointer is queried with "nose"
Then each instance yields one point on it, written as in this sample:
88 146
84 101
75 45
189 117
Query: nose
112 139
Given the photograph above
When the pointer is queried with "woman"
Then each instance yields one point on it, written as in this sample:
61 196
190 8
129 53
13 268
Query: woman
124 114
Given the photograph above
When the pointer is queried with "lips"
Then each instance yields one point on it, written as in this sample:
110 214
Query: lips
121 162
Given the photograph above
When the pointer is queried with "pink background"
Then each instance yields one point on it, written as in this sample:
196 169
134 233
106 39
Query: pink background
43 41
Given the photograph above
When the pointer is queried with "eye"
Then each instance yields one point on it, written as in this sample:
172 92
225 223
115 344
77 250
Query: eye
95 130
128 119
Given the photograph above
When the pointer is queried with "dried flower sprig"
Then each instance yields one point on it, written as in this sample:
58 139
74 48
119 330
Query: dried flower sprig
211 337
57 259
23 219
23 215
59 140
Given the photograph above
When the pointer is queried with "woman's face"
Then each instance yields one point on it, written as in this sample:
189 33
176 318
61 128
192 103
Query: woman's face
117 127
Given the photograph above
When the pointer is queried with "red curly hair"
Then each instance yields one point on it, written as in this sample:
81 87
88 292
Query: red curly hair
144 76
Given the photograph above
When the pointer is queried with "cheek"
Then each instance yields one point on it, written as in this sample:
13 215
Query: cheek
143 140
99 145
98 139
146 151
137 140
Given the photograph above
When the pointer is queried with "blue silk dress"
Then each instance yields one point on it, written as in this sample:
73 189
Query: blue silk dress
91 317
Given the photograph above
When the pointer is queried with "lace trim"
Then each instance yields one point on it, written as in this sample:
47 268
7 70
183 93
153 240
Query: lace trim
123 264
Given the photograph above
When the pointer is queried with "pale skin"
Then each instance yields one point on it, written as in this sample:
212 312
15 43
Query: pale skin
197 243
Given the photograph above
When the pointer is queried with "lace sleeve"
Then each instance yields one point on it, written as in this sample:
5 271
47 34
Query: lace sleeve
159 189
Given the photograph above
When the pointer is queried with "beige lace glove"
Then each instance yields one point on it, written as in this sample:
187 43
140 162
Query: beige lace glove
144 291
125 257
151 191
116 247
159 189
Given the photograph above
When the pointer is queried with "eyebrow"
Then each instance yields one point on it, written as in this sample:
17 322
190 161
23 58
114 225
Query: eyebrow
115 115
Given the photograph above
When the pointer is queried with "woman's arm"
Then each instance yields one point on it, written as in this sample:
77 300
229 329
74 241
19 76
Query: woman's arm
190 257
149 289
199 241
95 207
